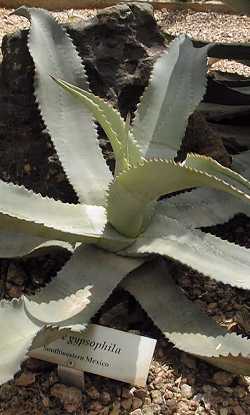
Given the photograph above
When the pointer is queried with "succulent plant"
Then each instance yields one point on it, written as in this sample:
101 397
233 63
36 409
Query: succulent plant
119 224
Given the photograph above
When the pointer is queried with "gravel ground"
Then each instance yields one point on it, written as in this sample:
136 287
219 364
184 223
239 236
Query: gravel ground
210 27
177 383
9 24
213 27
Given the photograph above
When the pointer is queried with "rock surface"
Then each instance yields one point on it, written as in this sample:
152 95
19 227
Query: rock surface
70 397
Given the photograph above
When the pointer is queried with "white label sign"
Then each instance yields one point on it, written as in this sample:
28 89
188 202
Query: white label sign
103 351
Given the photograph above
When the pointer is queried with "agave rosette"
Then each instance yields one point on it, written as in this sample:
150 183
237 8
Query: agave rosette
119 222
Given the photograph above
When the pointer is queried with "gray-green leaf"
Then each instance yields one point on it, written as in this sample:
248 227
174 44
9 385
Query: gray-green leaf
183 323
209 255
176 87
71 128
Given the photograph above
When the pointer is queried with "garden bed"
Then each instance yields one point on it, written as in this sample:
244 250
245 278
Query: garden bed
178 383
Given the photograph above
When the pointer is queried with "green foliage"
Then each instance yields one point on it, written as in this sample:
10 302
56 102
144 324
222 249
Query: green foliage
120 221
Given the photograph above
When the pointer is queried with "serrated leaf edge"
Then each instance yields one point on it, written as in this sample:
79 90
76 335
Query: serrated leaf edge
151 252
179 165
35 82
37 222
175 344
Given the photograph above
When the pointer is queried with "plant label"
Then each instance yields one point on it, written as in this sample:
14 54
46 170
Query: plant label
104 351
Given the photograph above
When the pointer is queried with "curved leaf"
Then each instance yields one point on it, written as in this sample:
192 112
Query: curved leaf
71 128
132 193
88 277
14 245
221 260
18 332
89 271
202 207
212 167
183 323
176 87
208 207
23 211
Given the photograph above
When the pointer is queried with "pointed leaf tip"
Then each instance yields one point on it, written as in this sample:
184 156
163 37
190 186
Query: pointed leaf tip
125 148
81 156
176 87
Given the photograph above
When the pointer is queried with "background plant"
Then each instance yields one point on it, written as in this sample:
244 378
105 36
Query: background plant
119 224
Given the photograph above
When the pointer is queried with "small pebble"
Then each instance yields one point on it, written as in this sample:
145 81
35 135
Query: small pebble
171 404
148 410
126 403
147 401
126 393
168 394
53 378
116 409
187 391
182 407
6 392
137 403
14 291
156 408
70 397
199 397
140 393
222 378
228 390
212 306
105 398
27 168
16 274
26 379
237 410
96 406
136 412
93 393
239 392
156 396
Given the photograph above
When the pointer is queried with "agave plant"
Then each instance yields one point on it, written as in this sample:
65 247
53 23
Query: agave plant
119 222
